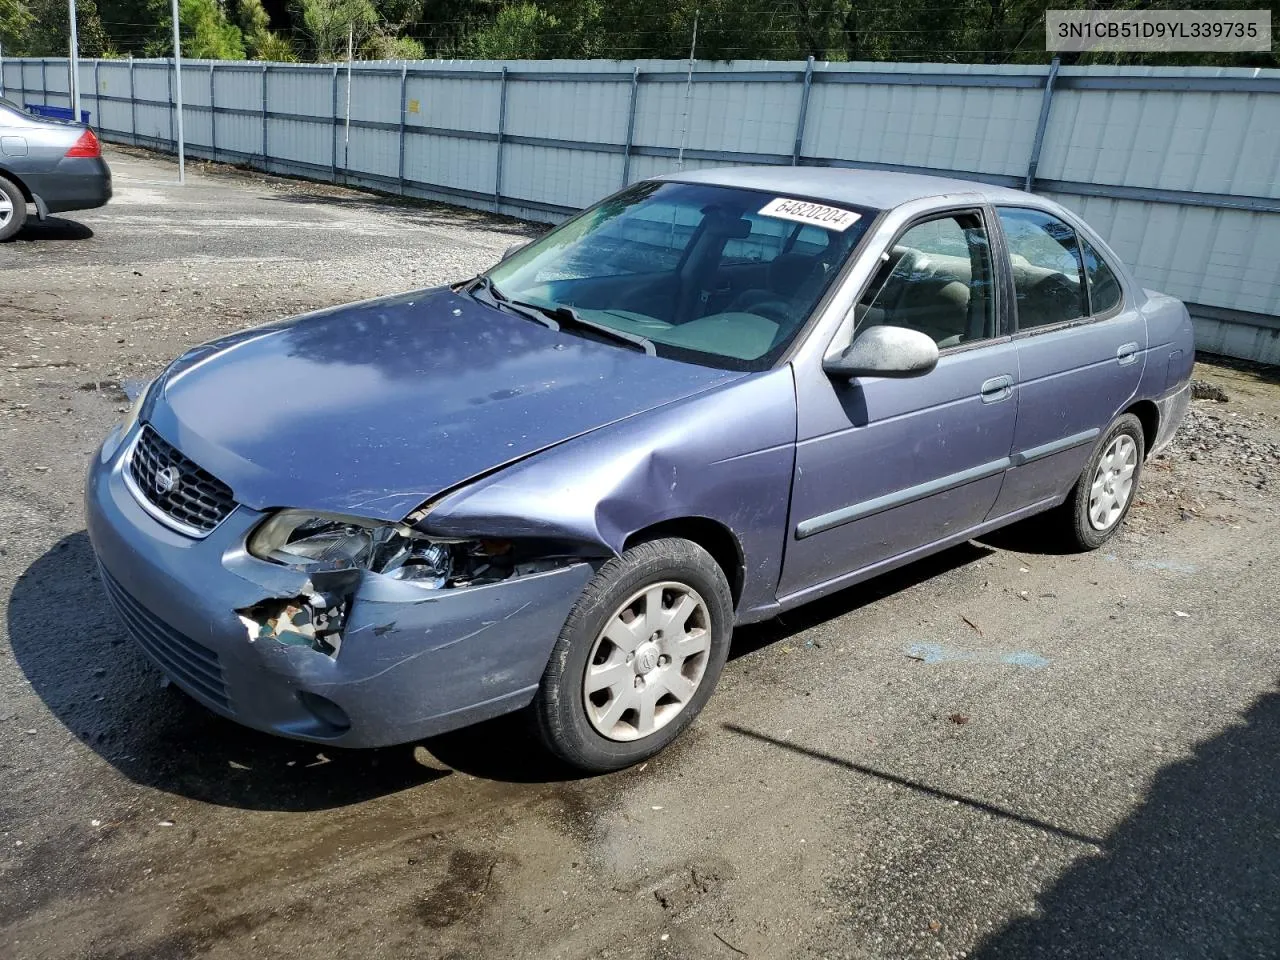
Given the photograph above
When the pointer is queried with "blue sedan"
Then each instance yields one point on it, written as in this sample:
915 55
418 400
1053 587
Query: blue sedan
561 484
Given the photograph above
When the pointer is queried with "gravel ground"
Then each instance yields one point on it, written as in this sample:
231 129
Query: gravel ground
999 752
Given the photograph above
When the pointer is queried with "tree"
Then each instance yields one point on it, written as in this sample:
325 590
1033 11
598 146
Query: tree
518 32
385 45
207 34
330 22
15 22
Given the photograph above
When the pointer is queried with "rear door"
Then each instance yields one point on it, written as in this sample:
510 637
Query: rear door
887 466
1081 351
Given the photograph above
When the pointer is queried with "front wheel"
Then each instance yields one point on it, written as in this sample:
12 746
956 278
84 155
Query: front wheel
638 657
1105 490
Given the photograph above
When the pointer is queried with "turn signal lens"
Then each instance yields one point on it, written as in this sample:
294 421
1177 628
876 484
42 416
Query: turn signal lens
86 146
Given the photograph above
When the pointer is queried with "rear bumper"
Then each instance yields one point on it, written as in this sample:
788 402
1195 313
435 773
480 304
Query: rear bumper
76 183
1172 409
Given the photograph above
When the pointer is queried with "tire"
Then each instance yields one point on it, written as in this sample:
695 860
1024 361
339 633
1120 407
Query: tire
643 698
13 209
1091 517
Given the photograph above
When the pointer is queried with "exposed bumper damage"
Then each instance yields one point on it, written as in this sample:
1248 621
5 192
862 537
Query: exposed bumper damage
351 657
1171 411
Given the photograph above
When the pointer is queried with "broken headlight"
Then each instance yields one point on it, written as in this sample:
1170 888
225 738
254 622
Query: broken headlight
326 541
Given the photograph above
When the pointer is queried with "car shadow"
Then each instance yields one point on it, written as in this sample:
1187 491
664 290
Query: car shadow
52 229
753 637
80 662
1193 872
76 655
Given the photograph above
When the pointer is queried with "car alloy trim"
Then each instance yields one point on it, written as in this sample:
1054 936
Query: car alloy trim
868 508
1032 454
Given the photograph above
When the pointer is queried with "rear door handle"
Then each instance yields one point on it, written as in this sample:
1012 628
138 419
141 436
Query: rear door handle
997 389
1127 353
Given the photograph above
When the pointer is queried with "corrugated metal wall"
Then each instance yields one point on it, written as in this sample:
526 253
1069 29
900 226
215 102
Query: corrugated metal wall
1177 168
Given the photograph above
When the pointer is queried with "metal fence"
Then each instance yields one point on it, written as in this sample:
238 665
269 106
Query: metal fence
1177 167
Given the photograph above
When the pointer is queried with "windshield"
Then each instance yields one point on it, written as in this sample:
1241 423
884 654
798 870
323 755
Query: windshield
710 274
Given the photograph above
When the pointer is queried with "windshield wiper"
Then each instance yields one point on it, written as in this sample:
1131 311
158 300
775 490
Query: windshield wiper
564 315
500 300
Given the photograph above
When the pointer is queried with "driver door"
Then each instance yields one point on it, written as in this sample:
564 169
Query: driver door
888 467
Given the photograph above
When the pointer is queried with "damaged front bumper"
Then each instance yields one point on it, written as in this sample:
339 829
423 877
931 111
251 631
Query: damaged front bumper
251 639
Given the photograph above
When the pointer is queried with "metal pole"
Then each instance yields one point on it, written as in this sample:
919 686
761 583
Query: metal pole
631 127
804 111
688 91
177 90
1041 124
1 68
97 91
502 128
73 62
404 119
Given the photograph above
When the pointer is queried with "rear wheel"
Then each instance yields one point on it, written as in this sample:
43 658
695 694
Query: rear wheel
13 209
1105 491
638 657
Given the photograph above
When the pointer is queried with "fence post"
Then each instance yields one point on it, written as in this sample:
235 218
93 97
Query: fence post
44 83
333 131
97 89
213 117
264 116
1045 102
804 111
168 76
502 126
631 127
404 118
133 106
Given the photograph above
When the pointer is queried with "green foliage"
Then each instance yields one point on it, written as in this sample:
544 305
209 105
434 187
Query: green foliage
275 48
207 34
383 45
253 20
15 23
329 24
961 31
518 32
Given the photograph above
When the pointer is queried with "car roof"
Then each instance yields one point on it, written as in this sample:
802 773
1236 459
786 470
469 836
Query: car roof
882 189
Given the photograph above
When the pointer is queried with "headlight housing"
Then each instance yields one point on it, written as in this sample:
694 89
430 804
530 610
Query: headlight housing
127 424
327 541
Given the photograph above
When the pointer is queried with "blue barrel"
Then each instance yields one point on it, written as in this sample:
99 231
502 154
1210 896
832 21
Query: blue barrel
57 113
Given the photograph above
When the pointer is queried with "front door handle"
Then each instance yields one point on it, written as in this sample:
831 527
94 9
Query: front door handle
1127 353
997 389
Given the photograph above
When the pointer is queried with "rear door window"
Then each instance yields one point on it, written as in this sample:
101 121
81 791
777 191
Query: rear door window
1104 288
1048 273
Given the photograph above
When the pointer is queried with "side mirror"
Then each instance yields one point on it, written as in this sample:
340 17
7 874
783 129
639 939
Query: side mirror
884 351
517 246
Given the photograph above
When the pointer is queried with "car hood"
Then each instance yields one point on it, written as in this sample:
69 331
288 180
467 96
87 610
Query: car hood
372 408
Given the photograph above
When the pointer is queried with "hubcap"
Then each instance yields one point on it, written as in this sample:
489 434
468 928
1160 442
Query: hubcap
1113 483
647 662
6 209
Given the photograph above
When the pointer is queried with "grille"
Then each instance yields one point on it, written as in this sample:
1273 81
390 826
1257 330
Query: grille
186 493
191 665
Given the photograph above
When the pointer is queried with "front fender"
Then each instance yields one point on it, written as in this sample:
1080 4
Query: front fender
726 455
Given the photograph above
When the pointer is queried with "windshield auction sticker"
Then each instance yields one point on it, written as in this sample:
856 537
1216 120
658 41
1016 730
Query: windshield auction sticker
1161 31
805 211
